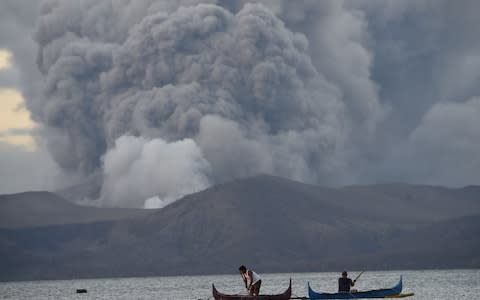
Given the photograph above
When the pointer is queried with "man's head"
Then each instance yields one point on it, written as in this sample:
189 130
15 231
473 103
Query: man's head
242 269
344 274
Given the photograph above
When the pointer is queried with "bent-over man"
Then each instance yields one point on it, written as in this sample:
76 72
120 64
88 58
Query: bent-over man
251 279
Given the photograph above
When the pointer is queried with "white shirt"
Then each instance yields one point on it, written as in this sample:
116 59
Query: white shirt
254 279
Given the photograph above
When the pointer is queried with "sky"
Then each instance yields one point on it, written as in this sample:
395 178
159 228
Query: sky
152 100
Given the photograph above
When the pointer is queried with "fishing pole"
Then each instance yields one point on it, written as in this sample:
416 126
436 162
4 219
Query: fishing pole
358 276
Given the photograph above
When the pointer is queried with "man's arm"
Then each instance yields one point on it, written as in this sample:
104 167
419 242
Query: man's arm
352 283
250 276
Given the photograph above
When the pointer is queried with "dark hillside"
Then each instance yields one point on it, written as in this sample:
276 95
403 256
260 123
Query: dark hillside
271 223
43 208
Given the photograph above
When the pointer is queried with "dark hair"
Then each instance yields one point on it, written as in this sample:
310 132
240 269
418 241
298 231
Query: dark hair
242 268
344 273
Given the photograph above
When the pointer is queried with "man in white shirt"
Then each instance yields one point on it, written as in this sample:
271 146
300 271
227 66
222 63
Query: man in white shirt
251 279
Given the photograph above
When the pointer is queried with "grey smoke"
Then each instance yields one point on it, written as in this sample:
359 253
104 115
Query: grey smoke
152 173
446 142
328 92
240 87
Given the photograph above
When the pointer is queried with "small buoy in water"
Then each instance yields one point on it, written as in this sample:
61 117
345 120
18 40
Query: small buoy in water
81 291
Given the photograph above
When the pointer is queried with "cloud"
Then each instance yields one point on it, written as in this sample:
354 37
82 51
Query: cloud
21 169
445 146
16 126
5 59
8 75
17 132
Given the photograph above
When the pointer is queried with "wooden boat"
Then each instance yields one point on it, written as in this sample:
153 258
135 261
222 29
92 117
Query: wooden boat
285 296
394 292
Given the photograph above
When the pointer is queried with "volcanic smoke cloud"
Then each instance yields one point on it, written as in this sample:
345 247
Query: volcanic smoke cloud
187 97
164 98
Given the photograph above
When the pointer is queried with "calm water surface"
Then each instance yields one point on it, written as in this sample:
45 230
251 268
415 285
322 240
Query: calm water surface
446 284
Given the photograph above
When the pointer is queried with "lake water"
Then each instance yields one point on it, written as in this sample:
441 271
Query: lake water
443 284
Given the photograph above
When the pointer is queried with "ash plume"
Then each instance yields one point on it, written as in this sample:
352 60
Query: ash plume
239 89
163 98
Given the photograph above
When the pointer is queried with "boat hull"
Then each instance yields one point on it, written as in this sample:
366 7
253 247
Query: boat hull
381 293
285 296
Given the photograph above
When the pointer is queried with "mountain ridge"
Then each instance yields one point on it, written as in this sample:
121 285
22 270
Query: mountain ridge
41 208
274 224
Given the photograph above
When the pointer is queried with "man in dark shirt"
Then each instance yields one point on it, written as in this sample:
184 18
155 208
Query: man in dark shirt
344 283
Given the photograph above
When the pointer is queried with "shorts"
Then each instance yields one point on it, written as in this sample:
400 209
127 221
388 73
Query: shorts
255 288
